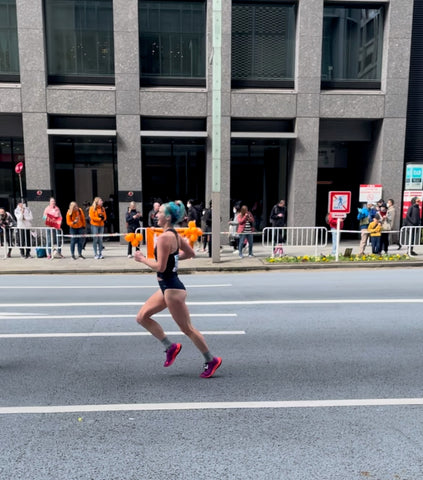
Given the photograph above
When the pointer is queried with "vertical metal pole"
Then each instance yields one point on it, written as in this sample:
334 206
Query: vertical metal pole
338 228
20 185
216 126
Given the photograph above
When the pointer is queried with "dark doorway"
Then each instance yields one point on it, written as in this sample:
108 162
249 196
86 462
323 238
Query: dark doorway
84 168
258 176
173 169
342 167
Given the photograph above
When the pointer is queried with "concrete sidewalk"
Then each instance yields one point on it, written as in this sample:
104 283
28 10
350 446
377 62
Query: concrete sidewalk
116 261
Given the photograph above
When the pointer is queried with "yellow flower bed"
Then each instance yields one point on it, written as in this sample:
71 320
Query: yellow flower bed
331 258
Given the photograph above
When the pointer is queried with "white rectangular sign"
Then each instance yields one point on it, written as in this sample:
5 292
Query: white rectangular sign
370 193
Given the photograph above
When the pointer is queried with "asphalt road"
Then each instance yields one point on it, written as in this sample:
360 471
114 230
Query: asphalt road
321 378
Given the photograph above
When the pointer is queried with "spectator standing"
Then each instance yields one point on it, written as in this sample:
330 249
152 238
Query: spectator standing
333 224
152 215
207 221
6 224
97 219
363 223
375 230
133 218
233 227
245 230
53 219
386 228
278 219
412 219
391 214
192 212
24 223
75 219
372 211
184 220
278 214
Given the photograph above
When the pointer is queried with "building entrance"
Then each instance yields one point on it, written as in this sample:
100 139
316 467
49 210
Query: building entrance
258 176
84 168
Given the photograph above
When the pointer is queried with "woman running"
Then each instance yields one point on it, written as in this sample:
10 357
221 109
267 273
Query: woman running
170 248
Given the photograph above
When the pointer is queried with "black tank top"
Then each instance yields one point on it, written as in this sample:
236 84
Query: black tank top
171 269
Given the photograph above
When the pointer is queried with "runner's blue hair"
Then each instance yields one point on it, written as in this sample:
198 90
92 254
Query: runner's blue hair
174 211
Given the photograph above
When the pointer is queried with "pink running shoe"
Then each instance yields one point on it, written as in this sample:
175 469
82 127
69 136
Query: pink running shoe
211 367
171 354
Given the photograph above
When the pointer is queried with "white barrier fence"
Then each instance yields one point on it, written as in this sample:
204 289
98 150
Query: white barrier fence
272 237
410 237
26 239
276 238
311 237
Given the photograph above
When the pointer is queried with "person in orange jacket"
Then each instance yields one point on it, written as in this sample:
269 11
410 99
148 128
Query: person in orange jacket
97 218
75 218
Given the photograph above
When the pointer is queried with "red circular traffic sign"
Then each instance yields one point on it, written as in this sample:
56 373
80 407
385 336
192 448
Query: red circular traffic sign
19 167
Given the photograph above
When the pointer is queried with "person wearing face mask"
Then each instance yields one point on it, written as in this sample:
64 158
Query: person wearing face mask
192 215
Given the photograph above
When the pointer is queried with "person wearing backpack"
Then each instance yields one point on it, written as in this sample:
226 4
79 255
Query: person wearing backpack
363 223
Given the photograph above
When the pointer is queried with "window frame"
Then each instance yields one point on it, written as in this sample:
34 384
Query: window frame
350 84
12 77
73 78
281 83
176 81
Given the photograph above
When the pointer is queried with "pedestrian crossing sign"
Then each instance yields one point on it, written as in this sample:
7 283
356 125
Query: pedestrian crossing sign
339 202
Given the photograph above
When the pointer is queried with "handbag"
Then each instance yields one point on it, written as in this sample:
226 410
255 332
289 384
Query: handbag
386 227
53 222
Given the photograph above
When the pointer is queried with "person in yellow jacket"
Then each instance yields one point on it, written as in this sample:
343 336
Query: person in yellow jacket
97 218
75 218
375 230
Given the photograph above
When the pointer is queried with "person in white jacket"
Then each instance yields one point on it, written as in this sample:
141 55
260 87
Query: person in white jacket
23 217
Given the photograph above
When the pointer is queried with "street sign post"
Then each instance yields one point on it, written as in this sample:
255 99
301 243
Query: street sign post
339 207
370 193
339 203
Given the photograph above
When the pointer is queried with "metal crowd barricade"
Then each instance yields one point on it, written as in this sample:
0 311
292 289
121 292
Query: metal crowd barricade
315 237
31 238
410 237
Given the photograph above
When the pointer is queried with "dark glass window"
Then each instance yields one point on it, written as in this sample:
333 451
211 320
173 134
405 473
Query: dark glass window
80 41
9 55
352 46
173 168
11 153
263 44
172 42
84 168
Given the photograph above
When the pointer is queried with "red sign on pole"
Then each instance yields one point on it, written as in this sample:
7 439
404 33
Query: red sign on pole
406 201
19 167
339 203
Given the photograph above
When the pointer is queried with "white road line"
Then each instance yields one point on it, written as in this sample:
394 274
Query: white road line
131 407
110 334
31 316
102 287
232 302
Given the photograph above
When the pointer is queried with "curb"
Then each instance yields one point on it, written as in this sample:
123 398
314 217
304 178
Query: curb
218 268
